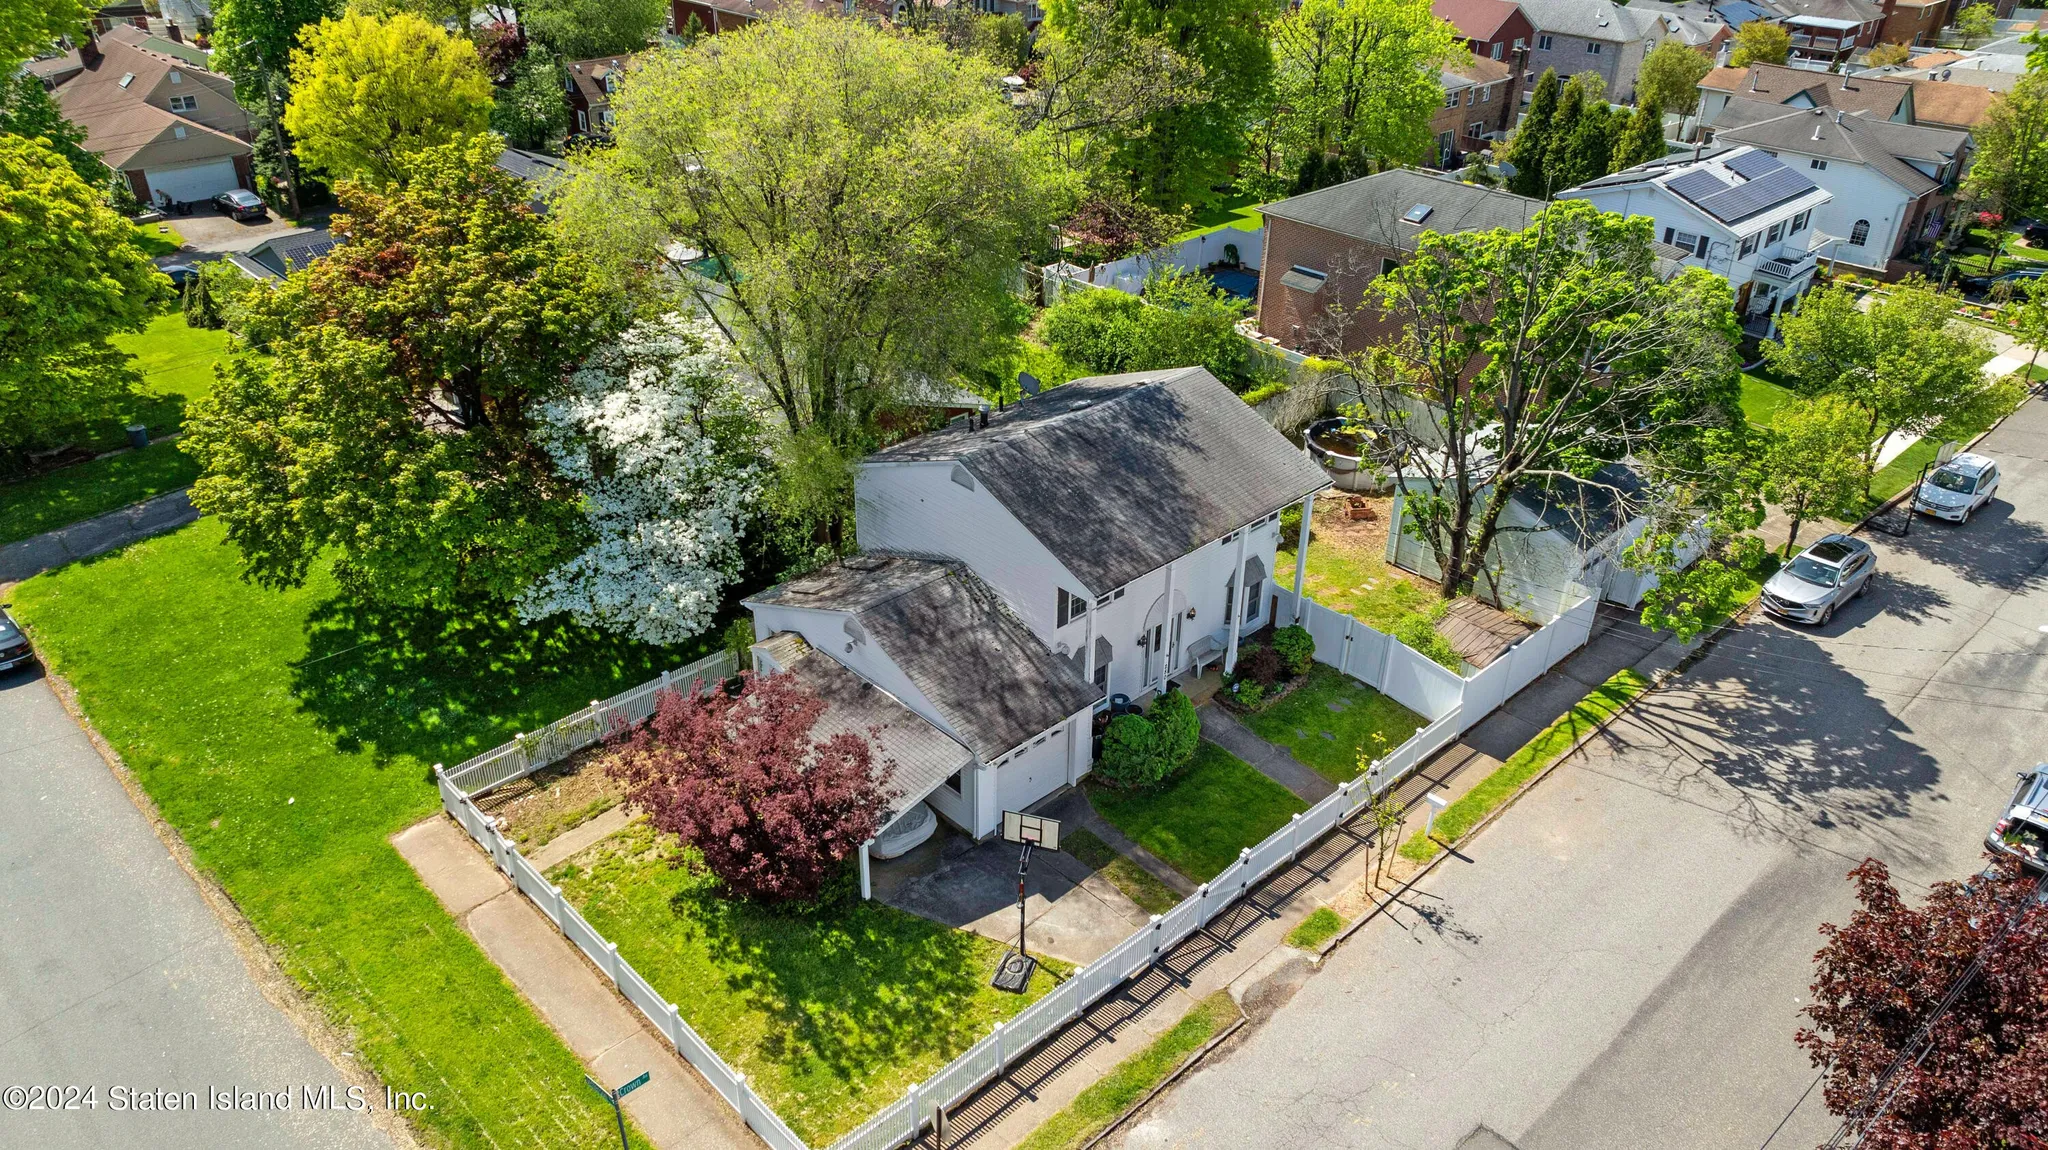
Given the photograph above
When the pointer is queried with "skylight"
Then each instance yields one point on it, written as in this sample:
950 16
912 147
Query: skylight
127 79
1418 213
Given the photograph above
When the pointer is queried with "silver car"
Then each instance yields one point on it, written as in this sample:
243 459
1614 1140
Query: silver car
1820 579
2023 832
1958 488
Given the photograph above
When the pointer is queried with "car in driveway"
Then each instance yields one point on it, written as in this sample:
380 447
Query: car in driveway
241 204
1820 579
2023 832
1958 488
14 648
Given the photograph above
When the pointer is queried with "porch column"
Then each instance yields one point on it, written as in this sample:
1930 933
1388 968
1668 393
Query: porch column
1088 645
1308 512
1166 657
1234 610
866 888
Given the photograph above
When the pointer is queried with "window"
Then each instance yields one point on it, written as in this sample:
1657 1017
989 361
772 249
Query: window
1450 99
604 116
1860 234
1800 221
1777 233
1387 265
957 783
1103 651
1071 607
177 77
178 132
1254 596
582 122
1543 43
1686 240
1519 43
1593 47
1476 129
1497 49
1817 165
184 103
1486 94
1749 245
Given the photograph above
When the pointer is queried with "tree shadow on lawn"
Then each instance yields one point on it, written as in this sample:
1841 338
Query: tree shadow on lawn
441 686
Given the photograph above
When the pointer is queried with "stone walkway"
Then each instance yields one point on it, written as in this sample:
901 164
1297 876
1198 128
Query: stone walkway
1223 729
88 537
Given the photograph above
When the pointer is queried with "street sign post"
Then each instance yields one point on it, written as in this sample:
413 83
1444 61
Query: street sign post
1013 973
613 1096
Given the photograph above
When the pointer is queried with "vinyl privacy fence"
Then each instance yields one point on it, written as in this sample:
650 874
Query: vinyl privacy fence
1452 704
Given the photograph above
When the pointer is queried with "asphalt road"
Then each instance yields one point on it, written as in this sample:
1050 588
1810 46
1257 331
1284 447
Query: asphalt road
1621 960
116 976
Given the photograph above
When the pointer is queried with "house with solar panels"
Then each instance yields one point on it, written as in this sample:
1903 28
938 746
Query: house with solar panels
1740 212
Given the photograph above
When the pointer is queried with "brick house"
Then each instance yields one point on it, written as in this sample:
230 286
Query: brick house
1493 29
1321 249
1478 109
1598 36
589 86
1912 22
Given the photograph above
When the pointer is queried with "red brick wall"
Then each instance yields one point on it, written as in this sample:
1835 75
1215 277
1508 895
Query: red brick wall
1304 321
711 18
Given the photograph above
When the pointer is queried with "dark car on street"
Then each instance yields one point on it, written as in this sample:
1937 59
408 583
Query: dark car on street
2014 280
14 648
241 204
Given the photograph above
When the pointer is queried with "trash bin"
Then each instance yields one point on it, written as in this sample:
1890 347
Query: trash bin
138 435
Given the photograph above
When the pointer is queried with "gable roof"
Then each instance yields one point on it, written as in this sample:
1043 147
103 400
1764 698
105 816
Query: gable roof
1586 19
1694 24
1880 145
1475 19
1119 475
1951 105
1728 184
118 120
1777 84
589 76
1370 208
990 679
1474 72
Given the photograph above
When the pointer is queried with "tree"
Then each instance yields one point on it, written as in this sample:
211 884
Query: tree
586 29
656 433
1360 78
1761 42
30 27
1110 227
1131 757
1814 464
217 296
1531 141
253 42
1095 82
1976 22
1887 55
72 277
1535 356
2009 169
26 110
1583 135
1670 77
1643 139
859 200
2028 315
395 424
1183 320
1178 727
369 92
749 787
529 110
1970 964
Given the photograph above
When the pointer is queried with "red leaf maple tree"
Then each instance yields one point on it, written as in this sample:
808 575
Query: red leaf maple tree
1983 1084
770 809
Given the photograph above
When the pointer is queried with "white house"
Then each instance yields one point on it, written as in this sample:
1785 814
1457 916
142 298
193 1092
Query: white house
1021 568
1742 213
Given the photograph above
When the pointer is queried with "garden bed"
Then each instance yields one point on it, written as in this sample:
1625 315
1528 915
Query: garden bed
1330 717
832 1013
1200 818
534 810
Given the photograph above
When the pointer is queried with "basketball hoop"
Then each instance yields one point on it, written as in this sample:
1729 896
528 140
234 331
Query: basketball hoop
1013 973
1032 830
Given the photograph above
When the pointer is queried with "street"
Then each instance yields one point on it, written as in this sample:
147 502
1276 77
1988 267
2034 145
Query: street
117 976
1620 960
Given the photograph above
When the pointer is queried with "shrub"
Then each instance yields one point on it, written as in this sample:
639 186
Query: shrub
1130 753
1296 648
213 298
1262 665
1176 728
1416 630
1249 692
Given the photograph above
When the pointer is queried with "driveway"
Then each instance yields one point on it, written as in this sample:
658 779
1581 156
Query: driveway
116 975
210 235
1620 960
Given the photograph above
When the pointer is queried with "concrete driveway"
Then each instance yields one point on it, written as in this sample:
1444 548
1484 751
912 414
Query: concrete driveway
210 235
115 975
1621 959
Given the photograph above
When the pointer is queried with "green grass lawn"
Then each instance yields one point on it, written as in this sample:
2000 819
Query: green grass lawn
158 243
1213 808
2015 254
176 363
1315 930
50 501
1327 720
1762 398
1137 883
1599 705
286 736
1236 211
1134 1077
1367 588
831 1014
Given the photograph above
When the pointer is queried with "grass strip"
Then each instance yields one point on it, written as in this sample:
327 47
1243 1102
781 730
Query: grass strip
1134 1077
1599 705
1316 929
1138 884
1200 819
62 497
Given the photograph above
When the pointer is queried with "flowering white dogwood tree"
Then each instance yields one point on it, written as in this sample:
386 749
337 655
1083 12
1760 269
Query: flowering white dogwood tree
657 432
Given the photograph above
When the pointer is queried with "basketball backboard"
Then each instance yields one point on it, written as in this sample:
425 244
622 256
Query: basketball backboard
1039 831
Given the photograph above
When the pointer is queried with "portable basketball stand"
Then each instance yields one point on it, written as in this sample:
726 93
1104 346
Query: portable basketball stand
1014 971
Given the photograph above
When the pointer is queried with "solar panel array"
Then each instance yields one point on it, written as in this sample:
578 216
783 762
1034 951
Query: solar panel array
1729 205
1752 165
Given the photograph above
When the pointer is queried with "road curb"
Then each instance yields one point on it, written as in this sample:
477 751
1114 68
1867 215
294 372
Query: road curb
1132 1111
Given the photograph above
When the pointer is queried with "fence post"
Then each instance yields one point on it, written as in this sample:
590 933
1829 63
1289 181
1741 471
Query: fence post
916 1108
1293 836
675 1029
611 960
1155 936
1202 912
1244 867
1002 1063
746 1093
561 907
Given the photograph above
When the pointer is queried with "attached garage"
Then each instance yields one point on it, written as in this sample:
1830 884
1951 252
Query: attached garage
197 181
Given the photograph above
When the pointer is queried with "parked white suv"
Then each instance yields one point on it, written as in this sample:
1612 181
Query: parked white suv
1958 487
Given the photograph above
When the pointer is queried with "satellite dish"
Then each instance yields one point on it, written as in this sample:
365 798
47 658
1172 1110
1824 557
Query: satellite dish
1027 383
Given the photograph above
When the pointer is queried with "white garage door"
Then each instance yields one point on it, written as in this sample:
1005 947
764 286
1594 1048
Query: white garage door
1033 773
199 181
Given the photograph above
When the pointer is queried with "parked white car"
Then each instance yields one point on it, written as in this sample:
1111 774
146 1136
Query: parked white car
1958 488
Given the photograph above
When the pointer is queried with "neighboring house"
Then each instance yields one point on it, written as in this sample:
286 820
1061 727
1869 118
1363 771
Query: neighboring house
1828 32
1891 183
1912 22
1320 250
1020 569
173 130
1479 102
1879 99
589 86
1741 212
1942 104
1693 25
279 256
1493 29
127 14
1597 36
541 171
714 16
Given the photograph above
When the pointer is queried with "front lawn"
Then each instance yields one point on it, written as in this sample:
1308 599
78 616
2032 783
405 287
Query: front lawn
1236 211
50 501
1358 581
157 239
176 363
1328 719
1762 398
830 1014
286 736
1201 818
1138 884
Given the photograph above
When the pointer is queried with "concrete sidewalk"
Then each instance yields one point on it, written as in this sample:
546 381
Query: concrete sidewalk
89 537
677 1109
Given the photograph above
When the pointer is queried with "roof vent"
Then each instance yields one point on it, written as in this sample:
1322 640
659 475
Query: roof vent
1079 404
1418 213
1947 72
127 79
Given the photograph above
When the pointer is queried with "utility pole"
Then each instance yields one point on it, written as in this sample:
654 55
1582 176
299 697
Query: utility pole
284 155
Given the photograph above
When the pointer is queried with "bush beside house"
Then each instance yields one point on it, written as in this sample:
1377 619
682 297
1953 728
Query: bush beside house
1145 750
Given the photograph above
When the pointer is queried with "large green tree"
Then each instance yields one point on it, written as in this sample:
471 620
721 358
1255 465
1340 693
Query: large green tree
1643 139
72 276
254 40
529 110
1670 77
1532 138
585 29
393 423
26 110
1182 320
31 27
1526 357
368 92
1095 83
1761 42
2009 167
1359 79
848 204
1814 464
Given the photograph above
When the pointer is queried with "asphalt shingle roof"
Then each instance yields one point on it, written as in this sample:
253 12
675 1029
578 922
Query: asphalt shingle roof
1370 208
1585 19
992 681
1775 83
1119 475
917 755
1880 145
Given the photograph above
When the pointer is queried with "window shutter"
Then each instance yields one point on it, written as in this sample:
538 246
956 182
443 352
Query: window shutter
1702 252
1669 233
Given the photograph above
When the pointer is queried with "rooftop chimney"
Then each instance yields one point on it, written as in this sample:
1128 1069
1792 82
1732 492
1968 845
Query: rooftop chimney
171 30
89 48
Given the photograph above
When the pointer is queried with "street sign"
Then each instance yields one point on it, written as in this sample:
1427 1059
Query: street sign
594 1086
613 1096
636 1084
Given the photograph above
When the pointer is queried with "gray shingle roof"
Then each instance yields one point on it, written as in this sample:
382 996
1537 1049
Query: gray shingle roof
1881 145
1119 475
990 679
1586 512
919 756
1370 208
1586 19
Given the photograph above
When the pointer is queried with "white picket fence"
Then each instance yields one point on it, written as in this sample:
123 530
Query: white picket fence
1450 703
